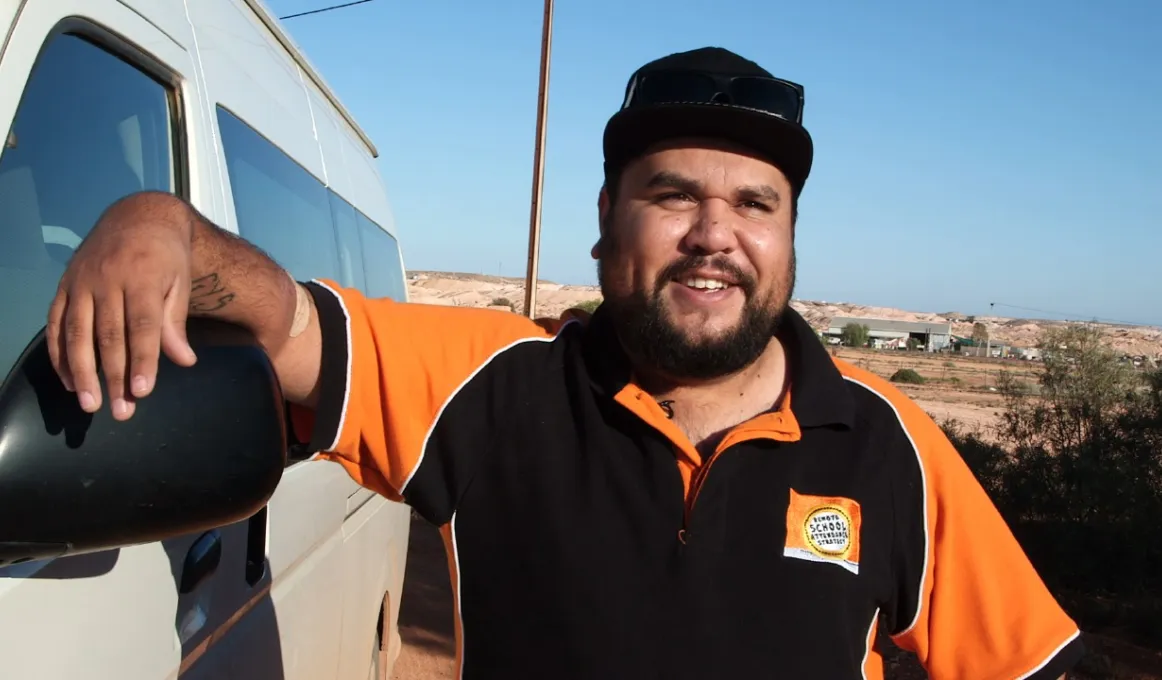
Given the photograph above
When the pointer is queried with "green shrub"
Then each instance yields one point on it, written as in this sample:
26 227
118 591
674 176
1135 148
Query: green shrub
589 305
909 376
1074 467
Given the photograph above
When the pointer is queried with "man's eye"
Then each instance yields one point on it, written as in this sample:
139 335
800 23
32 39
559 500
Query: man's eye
674 197
755 205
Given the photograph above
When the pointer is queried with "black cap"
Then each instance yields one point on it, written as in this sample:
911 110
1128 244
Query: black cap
631 131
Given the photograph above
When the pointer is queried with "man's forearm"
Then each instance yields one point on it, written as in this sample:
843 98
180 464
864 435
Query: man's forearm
232 280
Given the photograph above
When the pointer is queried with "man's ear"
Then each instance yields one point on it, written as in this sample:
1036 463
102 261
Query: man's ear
603 208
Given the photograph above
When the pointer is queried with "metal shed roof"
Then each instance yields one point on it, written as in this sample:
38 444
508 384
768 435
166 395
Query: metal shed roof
892 326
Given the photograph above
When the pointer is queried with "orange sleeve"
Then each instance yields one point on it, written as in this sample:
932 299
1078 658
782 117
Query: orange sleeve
969 602
389 372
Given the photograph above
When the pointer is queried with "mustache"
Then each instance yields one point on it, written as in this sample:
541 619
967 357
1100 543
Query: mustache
692 263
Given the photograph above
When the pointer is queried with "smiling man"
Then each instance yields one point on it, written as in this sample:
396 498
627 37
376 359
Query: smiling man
684 485
696 264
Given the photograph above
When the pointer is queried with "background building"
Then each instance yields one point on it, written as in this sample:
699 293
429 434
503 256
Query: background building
931 336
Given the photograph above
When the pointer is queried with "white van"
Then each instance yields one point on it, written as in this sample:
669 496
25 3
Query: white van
209 99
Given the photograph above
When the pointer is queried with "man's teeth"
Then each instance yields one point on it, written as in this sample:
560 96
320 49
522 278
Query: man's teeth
707 284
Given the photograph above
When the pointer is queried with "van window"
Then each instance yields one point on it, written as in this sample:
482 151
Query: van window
347 233
381 261
281 208
90 129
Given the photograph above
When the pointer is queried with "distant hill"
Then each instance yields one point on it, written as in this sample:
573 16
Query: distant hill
481 290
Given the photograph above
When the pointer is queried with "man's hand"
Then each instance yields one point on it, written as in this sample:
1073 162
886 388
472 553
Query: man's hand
150 262
123 298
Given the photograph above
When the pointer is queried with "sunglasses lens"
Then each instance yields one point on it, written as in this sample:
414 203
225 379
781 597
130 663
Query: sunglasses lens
766 95
671 88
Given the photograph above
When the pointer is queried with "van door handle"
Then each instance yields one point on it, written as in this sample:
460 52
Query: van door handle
201 561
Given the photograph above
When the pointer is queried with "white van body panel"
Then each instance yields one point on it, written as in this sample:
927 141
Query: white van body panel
331 142
334 553
246 73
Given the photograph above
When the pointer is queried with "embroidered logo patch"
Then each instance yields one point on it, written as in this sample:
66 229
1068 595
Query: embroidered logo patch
823 529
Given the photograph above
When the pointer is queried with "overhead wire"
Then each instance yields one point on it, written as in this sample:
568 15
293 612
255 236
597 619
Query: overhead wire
323 9
1076 317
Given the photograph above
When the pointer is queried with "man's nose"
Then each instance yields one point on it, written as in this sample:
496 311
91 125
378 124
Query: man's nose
712 231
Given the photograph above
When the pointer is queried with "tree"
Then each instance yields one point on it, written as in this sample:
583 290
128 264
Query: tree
855 335
980 333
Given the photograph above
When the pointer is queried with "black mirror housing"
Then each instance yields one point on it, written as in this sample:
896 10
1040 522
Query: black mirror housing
205 449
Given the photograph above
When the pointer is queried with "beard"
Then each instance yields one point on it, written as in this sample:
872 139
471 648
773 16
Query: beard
650 336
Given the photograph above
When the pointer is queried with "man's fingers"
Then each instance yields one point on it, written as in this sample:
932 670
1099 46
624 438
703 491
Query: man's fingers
65 370
54 338
143 322
109 330
176 309
108 317
78 339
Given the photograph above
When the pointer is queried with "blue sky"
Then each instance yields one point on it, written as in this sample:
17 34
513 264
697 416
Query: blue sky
966 153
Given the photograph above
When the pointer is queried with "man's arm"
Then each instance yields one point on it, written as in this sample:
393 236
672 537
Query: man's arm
411 396
968 602
406 397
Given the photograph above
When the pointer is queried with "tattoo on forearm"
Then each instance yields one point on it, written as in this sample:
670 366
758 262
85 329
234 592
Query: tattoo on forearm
207 294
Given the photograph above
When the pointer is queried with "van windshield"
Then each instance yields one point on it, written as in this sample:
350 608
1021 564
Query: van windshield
90 129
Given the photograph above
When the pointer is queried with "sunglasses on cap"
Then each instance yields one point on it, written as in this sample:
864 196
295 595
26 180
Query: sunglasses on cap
771 95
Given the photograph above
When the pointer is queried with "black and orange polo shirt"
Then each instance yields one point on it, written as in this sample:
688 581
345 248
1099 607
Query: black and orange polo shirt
587 538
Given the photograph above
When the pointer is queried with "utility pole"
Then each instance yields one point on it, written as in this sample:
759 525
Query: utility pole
539 164
988 338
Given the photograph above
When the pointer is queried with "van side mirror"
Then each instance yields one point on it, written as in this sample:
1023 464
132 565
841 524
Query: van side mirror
206 448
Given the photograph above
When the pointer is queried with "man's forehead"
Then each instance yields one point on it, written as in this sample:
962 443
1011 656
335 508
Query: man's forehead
705 160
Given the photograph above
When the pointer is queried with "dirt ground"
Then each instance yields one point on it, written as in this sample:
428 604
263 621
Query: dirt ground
958 387
425 610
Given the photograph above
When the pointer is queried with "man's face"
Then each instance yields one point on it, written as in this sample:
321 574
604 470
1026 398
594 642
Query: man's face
696 258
